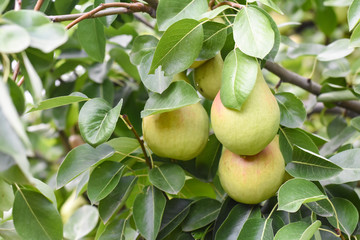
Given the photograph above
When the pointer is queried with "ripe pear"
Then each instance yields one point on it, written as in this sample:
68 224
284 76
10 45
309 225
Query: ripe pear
252 179
208 77
180 134
250 130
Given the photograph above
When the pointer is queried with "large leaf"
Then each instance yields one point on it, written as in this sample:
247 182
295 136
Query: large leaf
253 33
171 11
308 165
97 120
292 111
214 39
60 101
35 217
179 94
148 212
13 39
335 50
114 230
168 177
353 14
178 47
79 159
104 179
142 45
290 198
297 231
238 79
257 229
322 208
349 161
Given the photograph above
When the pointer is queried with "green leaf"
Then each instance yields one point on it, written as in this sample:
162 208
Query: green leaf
305 49
79 159
27 18
168 177
336 96
59 101
325 19
214 39
321 208
116 199
349 161
292 110
353 15
92 38
270 4
257 229
104 179
114 230
355 123
7 196
106 20
355 37
179 94
17 96
335 50
253 33
213 13
65 7
337 141
35 217
178 47
97 120
82 222
123 147
142 45
297 230
122 58
311 166
13 39
347 214
176 210
238 78
33 78
290 198
3 5
344 191
8 231
171 11
148 212
201 214
337 3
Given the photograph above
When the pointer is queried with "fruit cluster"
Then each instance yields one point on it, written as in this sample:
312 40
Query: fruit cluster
251 168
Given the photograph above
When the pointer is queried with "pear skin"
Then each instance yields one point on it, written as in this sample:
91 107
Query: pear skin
252 179
208 77
180 134
250 130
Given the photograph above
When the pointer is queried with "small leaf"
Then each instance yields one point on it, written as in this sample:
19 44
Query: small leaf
292 111
97 120
35 217
270 4
148 212
168 177
82 222
179 94
297 231
321 208
311 166
353 15
238 79
290 198
79 159
178 47
349 161
92 38
253 33
355 37
142 45
122 58
213 13
7 196
114 230
33 78
335 50
257 229
337 141
13 39
336 96
214 39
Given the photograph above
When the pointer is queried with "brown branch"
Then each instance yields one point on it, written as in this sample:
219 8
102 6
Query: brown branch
69 17
141 142
231 4
305 83
211 3
38 5
133 7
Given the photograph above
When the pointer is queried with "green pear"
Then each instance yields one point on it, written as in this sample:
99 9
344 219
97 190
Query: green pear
181 76
250 130
252 179
208 77
197 63
180 134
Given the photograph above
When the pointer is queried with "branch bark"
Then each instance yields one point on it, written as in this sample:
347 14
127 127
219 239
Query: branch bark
305 83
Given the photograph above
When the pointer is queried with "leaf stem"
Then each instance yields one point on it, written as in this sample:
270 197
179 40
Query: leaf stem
336 217
329 231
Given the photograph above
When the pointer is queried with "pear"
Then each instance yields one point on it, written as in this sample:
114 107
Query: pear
208 77
252 179
181 76
197 63
251 129
179 134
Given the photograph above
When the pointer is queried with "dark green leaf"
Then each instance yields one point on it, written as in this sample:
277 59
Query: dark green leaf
214 39
168 177
60 101
325 19
344 191
17 96
257 229
65 7
349 161
297 231
114 230
227 205
336 126
92 38
142 46
292 111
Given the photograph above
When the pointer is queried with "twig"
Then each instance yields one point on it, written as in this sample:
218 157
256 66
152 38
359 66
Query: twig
134 7
38 5
21 81
231 4
68 17
141 142
211 4
305 83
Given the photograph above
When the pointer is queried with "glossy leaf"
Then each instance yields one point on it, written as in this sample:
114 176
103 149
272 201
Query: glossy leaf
35 217
179 94
168 177
60 101
123 147
104 179
238 79
337 96
311 166
148 212
214 39
292 111
142 45
353 14
114 230
335 50
290 199
178 47
321 208
355 37
79 159
13 39
92 38
349 161
257 229
97 120
227 205
213 13
297 231
201 214
253 33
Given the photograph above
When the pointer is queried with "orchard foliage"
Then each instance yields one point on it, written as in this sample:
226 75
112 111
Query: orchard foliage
78 76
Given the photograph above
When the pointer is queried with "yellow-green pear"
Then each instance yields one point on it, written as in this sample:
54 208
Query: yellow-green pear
208 77
250 130
181 76
252 179
197 63
180 134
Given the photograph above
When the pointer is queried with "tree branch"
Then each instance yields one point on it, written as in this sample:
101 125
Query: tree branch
152 3
231 4
38 5
305 83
